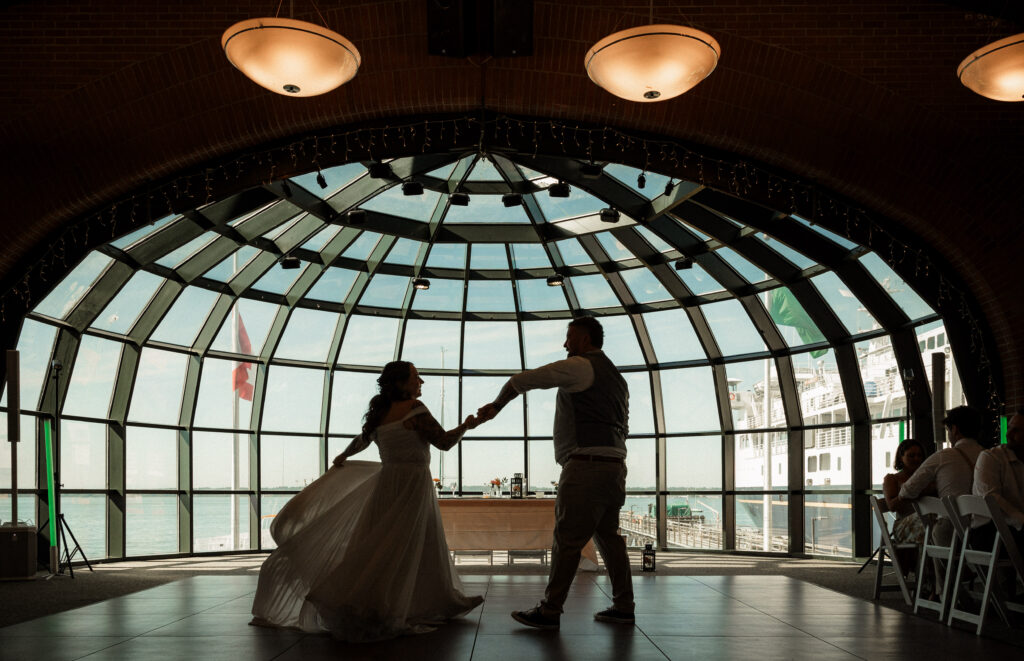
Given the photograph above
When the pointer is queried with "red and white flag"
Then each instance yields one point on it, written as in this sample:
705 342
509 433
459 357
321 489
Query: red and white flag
241 379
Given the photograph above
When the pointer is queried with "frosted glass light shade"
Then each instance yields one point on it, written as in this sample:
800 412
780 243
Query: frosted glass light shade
996 71
652 62
292 58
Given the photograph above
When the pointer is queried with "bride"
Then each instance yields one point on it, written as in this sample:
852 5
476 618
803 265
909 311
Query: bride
361 551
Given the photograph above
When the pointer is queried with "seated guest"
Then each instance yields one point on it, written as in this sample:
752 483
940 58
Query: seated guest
908 527
1000 472
952 469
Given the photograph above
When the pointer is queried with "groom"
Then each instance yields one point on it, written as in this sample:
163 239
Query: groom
591 414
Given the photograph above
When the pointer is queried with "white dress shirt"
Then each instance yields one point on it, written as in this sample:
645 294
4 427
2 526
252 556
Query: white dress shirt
952 474
1001 473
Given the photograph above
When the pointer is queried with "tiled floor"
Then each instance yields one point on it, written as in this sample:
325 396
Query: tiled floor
678 617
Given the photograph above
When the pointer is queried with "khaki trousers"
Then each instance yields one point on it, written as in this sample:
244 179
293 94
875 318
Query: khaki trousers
590 495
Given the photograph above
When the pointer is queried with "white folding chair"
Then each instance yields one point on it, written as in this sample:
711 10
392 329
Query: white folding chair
889 548
930 509
984 562
1011 550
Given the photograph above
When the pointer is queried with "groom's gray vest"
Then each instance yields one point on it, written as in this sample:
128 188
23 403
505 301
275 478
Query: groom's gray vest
595 417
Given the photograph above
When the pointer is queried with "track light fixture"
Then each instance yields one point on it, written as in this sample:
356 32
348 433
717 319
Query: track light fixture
556 280
289 262
609 215
512 200
561 189
421 283
591 170
412 188
669 187
356 217
380 170
459 199
684 263
641 181
321 180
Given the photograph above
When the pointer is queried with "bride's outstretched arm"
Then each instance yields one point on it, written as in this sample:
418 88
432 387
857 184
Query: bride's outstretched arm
432 431
355 447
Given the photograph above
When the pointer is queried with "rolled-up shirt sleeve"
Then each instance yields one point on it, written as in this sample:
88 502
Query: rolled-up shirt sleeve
571 374
988 479
922 477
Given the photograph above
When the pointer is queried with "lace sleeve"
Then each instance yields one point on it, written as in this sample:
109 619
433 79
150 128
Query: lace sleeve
431 430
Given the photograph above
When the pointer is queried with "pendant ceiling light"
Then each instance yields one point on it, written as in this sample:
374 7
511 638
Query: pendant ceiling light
996 71
652 62
290 57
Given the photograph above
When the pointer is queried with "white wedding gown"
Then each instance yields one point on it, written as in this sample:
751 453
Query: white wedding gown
361 551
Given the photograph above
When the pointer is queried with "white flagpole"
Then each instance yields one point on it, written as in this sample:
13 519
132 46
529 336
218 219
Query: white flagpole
235 478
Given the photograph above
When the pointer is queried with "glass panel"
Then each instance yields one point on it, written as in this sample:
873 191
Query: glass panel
543 340
881 377
151 458
488 256
26 509
350 398
491 345
732 328
698 281
220 461
828 524
440 395
613 247
645 287
654 184
529 256
932 338
404 252
484 170
182 322
694 521
641 407
220 523
385 291
83 455
827 461
693 463
121 312
620 341
317 242
540 410
822 399
363 246
443 295
432 344
219 403
832 236
490 296
747 271
480 390
487 209
593 291
151 522
747 395
293 399
638 520
86 514
369 341
535 295
447 256
395 203
288 462
178 257
484 461
230 266
65 296
793 322
158 387
905 297
278 280
672 336
148 230
885 438
543 475
333 285
847 307
762 522
658 243
35 346
270 505
689 400
795 258
761 465
279 229
641 465
26 460
336 178
573 253
92 379
308 335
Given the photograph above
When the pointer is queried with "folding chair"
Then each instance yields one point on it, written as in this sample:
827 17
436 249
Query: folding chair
985 562
930 509
888 548
1011 550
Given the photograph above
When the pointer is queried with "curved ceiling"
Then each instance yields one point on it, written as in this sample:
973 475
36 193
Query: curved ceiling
102 100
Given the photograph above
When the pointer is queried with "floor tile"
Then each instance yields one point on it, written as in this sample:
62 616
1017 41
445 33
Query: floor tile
724 648
250 648
554 646
52 648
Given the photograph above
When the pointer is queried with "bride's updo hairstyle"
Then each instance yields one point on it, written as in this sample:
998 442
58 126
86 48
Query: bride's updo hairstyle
389 390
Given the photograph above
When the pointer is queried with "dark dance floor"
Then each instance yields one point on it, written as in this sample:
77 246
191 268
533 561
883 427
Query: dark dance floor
678 617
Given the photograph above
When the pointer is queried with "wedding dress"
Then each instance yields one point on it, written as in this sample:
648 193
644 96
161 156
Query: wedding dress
361 551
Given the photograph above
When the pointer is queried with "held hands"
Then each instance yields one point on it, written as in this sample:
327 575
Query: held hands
486 412
471 422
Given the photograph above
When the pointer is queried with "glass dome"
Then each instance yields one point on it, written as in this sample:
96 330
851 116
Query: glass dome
216 360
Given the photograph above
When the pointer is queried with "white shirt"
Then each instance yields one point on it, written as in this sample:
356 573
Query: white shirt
952 474
1001 473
